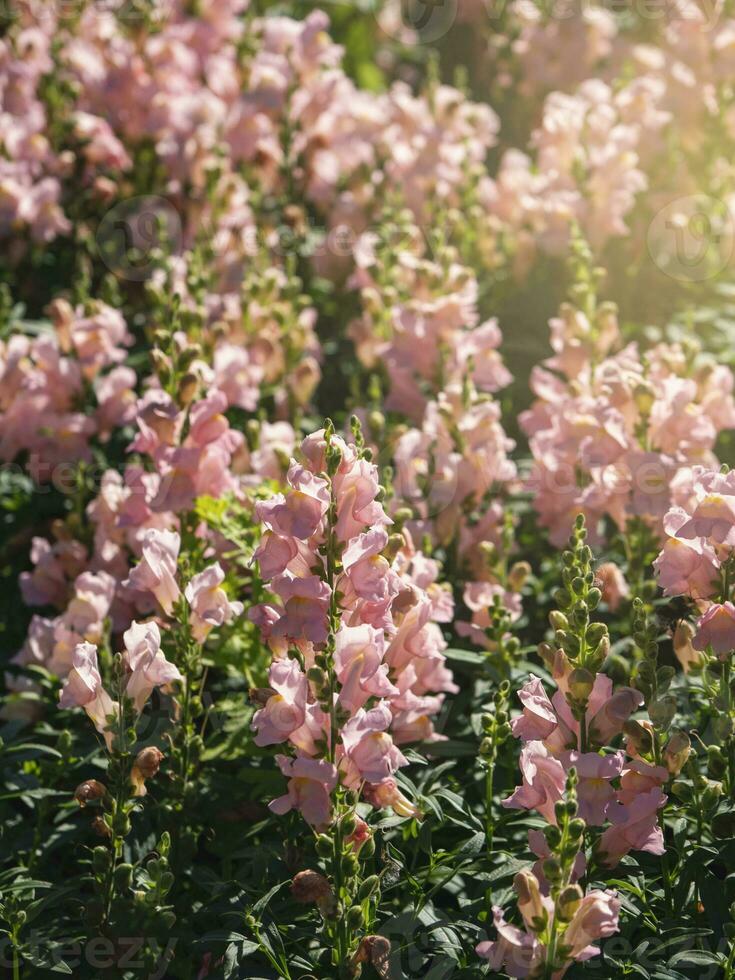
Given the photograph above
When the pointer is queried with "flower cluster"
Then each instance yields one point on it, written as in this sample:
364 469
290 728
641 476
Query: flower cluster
43 381
560 921
612 425
146 668
358 655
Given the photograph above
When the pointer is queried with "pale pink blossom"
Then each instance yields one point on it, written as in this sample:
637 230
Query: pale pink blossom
210 606
83 688
156 571
310 783
544 780
716 628
146 662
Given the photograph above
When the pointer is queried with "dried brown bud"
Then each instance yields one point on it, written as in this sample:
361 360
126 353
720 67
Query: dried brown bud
376 951
146 765
100 827
309 887
148 761
88 791
677 751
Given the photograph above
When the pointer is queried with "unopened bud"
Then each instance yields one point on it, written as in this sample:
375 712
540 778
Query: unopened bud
569 901
558 620
188 355
395 543
644 396
581 682
518 575
99 826
187 390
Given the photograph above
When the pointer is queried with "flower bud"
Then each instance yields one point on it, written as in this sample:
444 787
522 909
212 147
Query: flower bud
354 917
639 737
558 620
687 656
518 575
581 682
530 903
187 390
148 761
88 791
676 753
100 860
123 876
99 826
569 901
311 888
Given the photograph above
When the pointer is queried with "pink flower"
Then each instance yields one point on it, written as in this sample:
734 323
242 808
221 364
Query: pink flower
514 951
607 722
300 512
687 568
285 710
147 663
634 827
538 719
594 790
305 608
544 781
275 553
358 663
83 689
356 489
713 517
156 571
716 629
210 606
370 755
368 571
93 595
596 917
310 781
639 777
612 582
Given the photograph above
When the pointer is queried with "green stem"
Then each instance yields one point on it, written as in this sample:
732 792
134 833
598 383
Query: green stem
489 819
583 738
727 707
665 863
